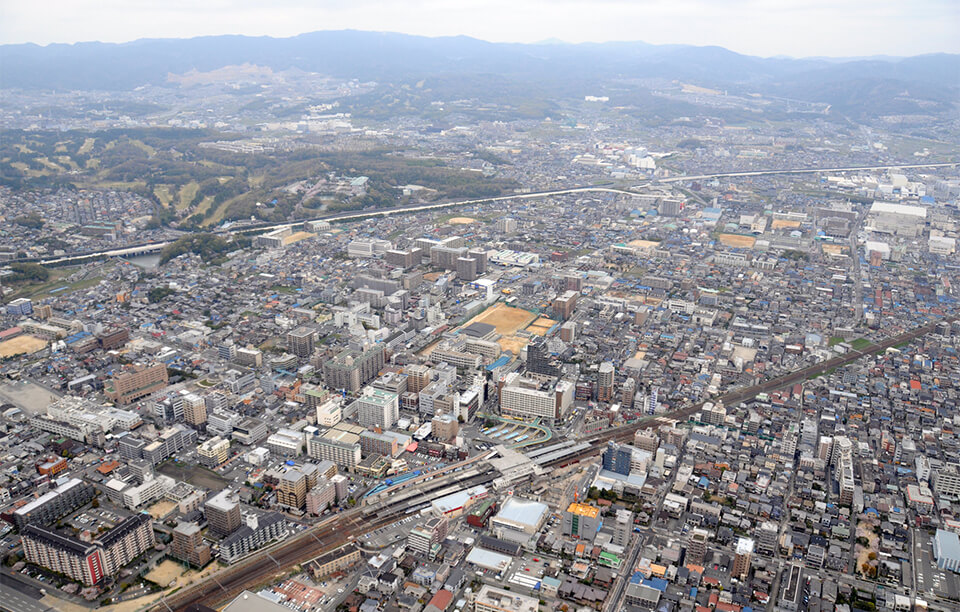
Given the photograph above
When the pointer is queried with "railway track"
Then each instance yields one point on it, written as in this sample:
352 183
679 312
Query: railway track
263 567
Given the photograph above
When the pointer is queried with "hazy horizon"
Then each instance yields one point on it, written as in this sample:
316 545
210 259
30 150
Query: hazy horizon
855 28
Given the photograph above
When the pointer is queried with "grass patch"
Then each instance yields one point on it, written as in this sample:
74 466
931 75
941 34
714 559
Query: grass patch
860 344
187 193
834 341
87 146
163 194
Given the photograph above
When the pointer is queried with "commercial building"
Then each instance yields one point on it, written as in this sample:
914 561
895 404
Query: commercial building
518 519
526 397
425 540
946 550
581 520
490 599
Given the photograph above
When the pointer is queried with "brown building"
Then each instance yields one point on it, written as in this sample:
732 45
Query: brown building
114 338
138 384
292 489
563 305
605 382
188 545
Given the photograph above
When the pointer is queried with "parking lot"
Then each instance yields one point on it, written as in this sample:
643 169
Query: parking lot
931 579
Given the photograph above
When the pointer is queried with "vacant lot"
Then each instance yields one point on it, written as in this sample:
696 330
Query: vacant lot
165 573
161 509
737 240
781 223
20 345
506 319
196 475
461 221
541 326
29 396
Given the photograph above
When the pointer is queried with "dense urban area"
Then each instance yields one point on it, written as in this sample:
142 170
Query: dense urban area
278 341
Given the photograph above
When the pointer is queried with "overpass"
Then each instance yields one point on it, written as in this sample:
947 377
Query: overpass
155 247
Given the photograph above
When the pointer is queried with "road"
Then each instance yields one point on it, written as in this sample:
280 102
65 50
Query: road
150 247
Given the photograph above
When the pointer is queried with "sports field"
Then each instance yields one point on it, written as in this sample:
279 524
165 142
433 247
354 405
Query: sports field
736 240
20 345
508 322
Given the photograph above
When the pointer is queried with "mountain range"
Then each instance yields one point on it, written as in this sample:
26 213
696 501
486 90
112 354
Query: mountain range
928 84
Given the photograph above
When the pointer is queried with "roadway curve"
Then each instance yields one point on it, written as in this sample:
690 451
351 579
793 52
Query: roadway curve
146 247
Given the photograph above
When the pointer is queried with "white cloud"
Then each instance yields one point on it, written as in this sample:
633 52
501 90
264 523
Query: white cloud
758 27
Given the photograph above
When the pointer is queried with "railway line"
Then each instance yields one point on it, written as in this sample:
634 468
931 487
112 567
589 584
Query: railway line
264 566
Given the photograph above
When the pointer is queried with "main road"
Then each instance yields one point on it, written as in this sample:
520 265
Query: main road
152 247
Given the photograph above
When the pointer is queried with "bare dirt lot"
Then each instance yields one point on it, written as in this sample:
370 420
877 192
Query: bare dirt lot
20 345
541 326
461 221
508 321
736 240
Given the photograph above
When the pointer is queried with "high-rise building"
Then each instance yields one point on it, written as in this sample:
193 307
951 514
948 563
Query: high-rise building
622 528
741 562
188 545
426 539
767 534
353 368
223 513
564 305
506 225
377 408
214 452
605 377
20 307
581 520
697 546
568 331
194 410
300 341
627 393
467 268
292 489
539 360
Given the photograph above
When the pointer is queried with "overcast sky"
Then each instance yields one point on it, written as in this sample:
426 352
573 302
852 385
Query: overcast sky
758 27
